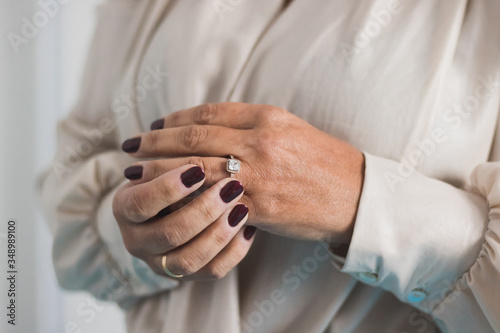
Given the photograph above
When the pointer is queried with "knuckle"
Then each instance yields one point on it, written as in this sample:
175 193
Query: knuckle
134 248
265 140
193 136
153 168
203 164
187 264
175 117
166 190
153 141
136 207
168 237
196 160
205 113
131 245
216 271
206 210
221 237
270 113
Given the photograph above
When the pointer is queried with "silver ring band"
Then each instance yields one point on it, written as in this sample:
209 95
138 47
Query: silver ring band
233 166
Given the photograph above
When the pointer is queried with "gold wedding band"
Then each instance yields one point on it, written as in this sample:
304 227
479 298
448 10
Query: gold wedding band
165 268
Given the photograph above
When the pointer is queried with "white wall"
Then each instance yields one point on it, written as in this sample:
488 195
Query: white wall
16 167
38 84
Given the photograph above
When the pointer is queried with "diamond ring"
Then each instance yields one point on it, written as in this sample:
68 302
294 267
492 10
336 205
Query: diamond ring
233 166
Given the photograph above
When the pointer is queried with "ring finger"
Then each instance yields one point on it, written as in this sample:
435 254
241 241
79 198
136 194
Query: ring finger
145 171
197 253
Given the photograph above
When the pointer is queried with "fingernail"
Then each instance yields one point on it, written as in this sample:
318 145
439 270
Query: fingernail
249 231
131 145
134 172
231 190
237 214
157 124
192 176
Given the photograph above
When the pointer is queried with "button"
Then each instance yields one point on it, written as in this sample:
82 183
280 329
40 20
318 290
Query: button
417 295
368 277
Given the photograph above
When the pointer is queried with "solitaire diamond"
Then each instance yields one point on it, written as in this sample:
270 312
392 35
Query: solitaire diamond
233 166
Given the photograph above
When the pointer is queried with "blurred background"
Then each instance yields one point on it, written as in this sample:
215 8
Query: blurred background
42 53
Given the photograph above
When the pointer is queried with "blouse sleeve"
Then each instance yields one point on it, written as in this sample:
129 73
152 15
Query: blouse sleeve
432 245
77 191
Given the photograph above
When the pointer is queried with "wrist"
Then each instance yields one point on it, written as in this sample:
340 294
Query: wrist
340 240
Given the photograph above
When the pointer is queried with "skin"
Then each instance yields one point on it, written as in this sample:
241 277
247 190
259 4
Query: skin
299 182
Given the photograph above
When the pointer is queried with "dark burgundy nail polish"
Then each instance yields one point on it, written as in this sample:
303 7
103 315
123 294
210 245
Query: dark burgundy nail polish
133 172
131 145
231 190
237 214
249 231
164 212
192 176
157 124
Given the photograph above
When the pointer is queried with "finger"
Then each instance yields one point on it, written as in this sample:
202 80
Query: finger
179 227
145 171
231 255
194 255
185 141
143 201
234 115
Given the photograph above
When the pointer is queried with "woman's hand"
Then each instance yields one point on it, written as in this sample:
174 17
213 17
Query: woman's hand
203 239
299 182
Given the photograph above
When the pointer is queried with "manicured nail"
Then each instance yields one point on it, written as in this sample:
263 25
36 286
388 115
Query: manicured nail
131 145
237 214
164 212
157 124
134 172
249 231
192 176
230 191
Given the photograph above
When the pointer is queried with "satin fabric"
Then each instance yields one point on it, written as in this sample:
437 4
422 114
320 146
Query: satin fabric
415 85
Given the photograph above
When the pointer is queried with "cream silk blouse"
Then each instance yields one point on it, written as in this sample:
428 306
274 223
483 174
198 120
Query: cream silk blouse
415 85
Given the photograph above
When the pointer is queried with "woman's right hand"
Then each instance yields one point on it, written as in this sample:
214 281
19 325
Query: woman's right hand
204 239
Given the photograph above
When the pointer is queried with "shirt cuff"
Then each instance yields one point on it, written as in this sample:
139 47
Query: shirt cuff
414 236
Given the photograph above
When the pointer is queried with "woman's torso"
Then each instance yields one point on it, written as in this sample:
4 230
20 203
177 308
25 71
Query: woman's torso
385 78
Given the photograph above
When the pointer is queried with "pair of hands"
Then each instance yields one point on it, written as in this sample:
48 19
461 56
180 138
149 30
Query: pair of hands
295 181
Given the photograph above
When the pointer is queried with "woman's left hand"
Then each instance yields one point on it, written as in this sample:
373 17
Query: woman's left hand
299 182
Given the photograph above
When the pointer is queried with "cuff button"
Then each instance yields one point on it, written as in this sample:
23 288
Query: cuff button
417 295
368 277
